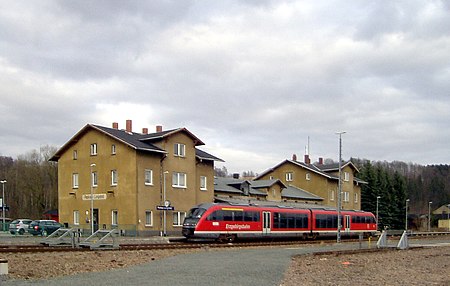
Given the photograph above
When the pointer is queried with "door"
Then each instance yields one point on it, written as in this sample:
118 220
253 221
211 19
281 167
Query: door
266 223
96 220
347 223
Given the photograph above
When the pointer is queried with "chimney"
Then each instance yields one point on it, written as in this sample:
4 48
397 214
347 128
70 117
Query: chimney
307 160
129 127
320 161
294 157
144 130
158 128
115 125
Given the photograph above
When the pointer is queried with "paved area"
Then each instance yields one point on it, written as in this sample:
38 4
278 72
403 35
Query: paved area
214 267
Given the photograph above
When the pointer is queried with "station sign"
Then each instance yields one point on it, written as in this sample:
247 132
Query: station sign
164 208
95 197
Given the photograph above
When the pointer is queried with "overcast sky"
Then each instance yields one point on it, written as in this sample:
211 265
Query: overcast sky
252 79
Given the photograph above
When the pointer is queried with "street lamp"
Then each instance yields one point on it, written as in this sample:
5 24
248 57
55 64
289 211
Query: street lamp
3 182
338 238
429 216
406 216
378 197
448 216
165 204
92 198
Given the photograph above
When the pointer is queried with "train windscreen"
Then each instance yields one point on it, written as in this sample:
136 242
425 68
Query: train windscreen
195 213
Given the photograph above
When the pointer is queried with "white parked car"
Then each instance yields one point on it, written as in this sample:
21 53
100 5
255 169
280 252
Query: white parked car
19 226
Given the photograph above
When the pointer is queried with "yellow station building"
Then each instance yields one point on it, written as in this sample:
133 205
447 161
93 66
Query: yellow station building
127 176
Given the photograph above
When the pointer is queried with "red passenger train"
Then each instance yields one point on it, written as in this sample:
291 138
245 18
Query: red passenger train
226 222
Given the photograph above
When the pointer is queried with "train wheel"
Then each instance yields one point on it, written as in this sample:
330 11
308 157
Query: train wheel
231 238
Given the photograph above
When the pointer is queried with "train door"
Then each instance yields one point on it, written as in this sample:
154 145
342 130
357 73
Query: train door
347 223
266 223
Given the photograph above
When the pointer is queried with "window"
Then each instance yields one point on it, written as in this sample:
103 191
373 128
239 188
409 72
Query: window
76 217
203 183
179 180
331 195
114 178
289 176
93 149
75 180
356 197
179 150
270 177
346 176
346 196
113 149
114 217
308 176
75 154
148 177
94 179
178 218
148 218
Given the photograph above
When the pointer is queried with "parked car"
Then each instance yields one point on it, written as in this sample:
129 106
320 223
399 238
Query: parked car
43 227
19 226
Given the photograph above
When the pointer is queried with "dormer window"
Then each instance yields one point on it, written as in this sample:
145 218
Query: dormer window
346 176
179 150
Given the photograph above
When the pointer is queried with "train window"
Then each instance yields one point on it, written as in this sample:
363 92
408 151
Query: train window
238 216
290 220
326 221
251 216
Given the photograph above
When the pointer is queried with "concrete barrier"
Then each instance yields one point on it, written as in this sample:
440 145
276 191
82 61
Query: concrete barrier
3 267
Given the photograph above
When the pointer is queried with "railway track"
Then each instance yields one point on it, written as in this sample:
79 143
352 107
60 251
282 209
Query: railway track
161 246
17 248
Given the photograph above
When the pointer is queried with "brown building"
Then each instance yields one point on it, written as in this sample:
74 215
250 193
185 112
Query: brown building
321 180
129 175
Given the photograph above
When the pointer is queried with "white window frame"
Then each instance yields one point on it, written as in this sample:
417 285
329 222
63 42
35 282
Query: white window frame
148 172
93 149
148 218
178 218
356 197
346 176
76 217
113 149
332 194
346 196
179 180
75 180
114 178
75 154
115 217
94 179
289 176
203 183
308 176
179 150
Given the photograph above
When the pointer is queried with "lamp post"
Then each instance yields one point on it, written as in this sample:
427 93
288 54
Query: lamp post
406 214
338 238
378 197
448 216
3 182
429 216
165 204
92 199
